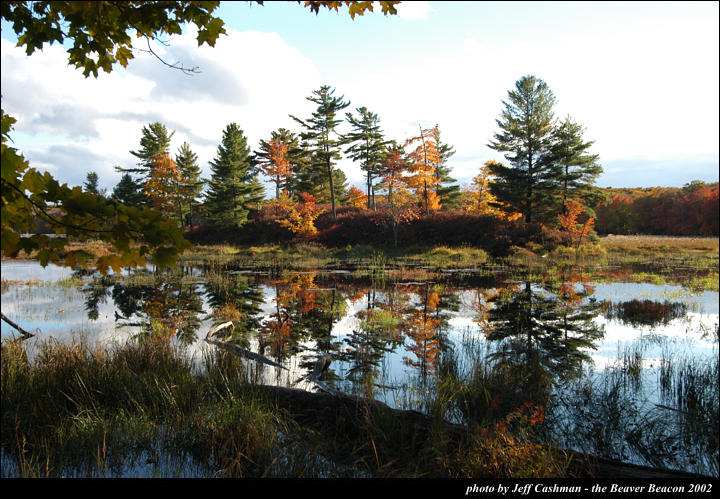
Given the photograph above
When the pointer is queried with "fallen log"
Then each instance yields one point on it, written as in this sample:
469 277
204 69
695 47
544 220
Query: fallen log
347 413
232 348
237 350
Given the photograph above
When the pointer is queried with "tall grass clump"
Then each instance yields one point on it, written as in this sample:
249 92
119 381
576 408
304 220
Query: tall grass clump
90 411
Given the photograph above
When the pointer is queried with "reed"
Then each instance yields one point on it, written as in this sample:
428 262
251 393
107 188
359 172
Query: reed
147 409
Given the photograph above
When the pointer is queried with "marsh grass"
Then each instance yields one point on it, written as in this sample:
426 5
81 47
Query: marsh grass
146 409
82 410
612 415
652 244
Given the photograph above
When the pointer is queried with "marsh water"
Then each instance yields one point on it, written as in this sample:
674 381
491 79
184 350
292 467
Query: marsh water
625 370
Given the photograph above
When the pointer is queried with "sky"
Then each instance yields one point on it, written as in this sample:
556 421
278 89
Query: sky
642 78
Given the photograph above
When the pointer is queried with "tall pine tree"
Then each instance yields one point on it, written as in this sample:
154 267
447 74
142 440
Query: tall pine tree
575 168
190 184
233 187
155 140
91 184
366 146
527 186
319 131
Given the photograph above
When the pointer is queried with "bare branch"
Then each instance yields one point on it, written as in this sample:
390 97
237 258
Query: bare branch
177 65
25 333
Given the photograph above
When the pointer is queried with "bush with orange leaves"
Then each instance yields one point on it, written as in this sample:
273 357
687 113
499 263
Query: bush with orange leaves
569 222
300 218
506 449
356 197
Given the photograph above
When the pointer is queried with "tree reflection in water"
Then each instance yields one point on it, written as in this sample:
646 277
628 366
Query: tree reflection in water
541 336
539 333
167 306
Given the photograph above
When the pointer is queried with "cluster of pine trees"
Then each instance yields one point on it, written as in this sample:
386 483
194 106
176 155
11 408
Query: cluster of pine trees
301 165
548 167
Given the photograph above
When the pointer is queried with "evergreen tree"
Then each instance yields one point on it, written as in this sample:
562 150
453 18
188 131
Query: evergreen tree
319 130
526 124
233 186
191 184
367 146
128 192
576 169
91 184
447 190
155 140
309 174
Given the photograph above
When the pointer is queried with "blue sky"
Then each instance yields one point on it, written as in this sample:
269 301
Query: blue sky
641 77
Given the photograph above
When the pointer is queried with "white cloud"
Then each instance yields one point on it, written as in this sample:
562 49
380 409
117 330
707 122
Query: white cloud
641 93
414 10
254 79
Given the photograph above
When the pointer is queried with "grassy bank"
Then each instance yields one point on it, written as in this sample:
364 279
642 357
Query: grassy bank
691 261
146 409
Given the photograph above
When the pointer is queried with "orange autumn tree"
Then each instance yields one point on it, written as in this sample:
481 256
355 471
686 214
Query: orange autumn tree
400 206
421 330
295 291
392 172
356 197
422 163
164 186
276 165
577 231
300 218
479 199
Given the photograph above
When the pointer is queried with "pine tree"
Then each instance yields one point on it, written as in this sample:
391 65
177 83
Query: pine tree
576 169
447 190
128 192
526 124
367 146
91 184
190 184
155 140
309 175
233 186
319 130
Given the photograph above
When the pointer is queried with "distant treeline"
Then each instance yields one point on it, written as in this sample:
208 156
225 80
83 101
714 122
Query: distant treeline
692 210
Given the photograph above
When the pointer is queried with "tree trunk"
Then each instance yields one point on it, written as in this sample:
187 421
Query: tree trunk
369 188
332 191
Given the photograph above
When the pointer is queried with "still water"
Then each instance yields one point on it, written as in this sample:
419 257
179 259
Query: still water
394 340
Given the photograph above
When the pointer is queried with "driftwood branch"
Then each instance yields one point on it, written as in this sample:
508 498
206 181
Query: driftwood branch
232 348
25 333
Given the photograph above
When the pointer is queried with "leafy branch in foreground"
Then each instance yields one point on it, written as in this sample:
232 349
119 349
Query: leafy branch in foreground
29 196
